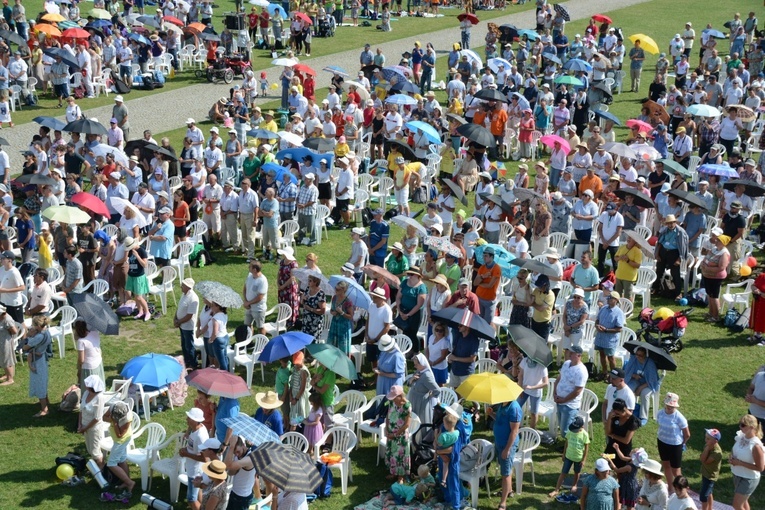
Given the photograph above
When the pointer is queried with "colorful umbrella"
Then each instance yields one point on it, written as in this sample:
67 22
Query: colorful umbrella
355 292
567 79
552 57
286 467
646 43
642 126
602 18
472 18
551 140
173 20
502 257
703 110
155 370
91 202
273 8
577 64
139 38
719 170
376 272
673 167
217 382
251 429
456 317
401 100
284 346
334 359
50 123
305 69
336 70
393 74
657 111
199 27
303 17
489 388
66 214
531 35
66 57
522 101
745 113
608 116
48 30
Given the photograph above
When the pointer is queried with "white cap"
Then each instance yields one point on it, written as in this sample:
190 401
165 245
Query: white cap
196 414
309 176
119 99
115 175
190 121
213 129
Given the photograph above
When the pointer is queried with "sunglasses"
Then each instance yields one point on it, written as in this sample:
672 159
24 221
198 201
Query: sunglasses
742 425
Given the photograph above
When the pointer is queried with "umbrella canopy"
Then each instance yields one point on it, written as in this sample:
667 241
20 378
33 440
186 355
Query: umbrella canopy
286 467
560 9
457 119
148 20
489 388
304 69
51 17
532 345
534 266
119 156
49 30
100 14
657 111
401 100
251 429
96 313
260 3
602 18
173 20
75 33
290 137
156 370
688 197
531 35
284 346
645 151
488 94
376 272
751 188
703 110
13 37
522 101
456 191
720 170
642 242
552 57
401 147
42 180
303 274
456 317
360 89
604 87
714 33
50 123
673 167
641 200
66 57
745 113
334 359
120 204
66 214
86 126
577 64
303 17
355 292
646 43
91 202
472 18
527 194
393 74
209 36
220 383
284 62
424 128
263 134
551 140
321 145
477 134
336 70
442 244
273 8
472 56
663 359
298 153
493 64
216 292
502 257
280 172
405 221
608 116
642 126
569 80
621 150
507 208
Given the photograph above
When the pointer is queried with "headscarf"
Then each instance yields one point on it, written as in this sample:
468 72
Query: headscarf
422 360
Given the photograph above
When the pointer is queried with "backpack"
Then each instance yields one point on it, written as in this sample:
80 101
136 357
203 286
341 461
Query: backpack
741 321
418 197
121 87
731 317
366 216
469 457
148 82
159 79
324 490
70 400
77 462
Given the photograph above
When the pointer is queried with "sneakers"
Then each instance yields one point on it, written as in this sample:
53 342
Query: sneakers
567 498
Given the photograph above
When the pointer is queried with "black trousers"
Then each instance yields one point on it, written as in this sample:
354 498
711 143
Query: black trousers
667 260
602 251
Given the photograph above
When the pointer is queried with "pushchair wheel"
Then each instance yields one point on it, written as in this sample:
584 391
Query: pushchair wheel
228 76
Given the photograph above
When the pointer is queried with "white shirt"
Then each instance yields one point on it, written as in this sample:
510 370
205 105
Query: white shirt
393 122
41 295
147 201
213 156
345 181
446 215
610 224
434 352
255 287
230 202
188 304
378 317
571 377
533 376
626 394
516 247
194 446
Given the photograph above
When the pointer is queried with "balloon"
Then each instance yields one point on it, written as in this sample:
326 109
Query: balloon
64 472
683 302
653 240
751 262
274 86
745 270
663 313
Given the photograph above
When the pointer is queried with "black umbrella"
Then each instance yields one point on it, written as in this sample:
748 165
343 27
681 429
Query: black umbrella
531 344
165 152
456 317
752 189
689 197
369 70
498 200
85 126
534 266
562 11
663 359
456 190
50 123
477 134
66 57
147 149
12 37
319 144
491 95
96 313
405 86
604 88
42 180
286 467
206 36
641 200
456 118
403 148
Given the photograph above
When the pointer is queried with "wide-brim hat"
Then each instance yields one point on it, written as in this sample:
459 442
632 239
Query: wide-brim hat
268 400
378 292
215 469
440 280
652 466
386 343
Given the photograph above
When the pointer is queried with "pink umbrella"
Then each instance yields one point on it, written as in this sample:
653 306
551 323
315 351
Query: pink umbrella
551 140
642 126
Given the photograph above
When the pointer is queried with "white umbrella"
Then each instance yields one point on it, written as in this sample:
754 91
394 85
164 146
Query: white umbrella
52 8
620 149
120 204
645 151
172 28
260 3
284 62
302 274
292 138
131 18
405 221
360 90
119 156
493 64
472 56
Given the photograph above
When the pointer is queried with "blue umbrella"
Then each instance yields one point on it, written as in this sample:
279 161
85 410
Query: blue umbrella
99 23
720 170
389 73
714 33
501 257
66 56
531 35
522 101
284 346
298 153
155 370
280 171
405 86
428 130
552 57
139 38
336 70
273 8
493 64
608 116
355 292
251 429
263 134
401 99
50 122
578 64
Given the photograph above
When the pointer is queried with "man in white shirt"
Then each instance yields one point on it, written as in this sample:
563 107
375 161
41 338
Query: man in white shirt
17 72
229 210
609 41
379 321
255 292
211 196
617 389
144 201
393 122
83 59
689 35
40 300
344 191
196 136
213 158
248 213
569 387
185 319
599 67
114 136
610 224
676 48
332 97
5 167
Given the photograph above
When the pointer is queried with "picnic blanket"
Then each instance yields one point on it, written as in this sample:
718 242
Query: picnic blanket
715 506
376 503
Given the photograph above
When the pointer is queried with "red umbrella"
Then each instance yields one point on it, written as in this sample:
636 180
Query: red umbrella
218 382
551 140
91 203
642 126
304 17
470 17
173 20
602 18
75 33
305 69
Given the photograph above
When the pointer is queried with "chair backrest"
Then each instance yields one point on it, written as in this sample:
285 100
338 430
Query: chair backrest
122 387
151 270
385 185
111 230
196 230
361 198
475 222
258 343
54 276
448 396
559 241
68 316
485 365
589 401
101 287
289 228
354 400
643 231
283 312
168 276
504 231
529 439
343 439
626 335
549 391
626 306
566 263
295 440
588 331
365 182
322 213
154 434
183 249
646 276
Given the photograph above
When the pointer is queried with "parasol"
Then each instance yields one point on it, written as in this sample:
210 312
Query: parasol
96 313
442 244
647 43
560 9
531 344
472 18
751 188
302 274
688 197
90 202
662 359
429 131
404 221
488 94
703 110
551 140
336 70
489 388
216 292
355 292
621 150
456 191
120 204
250 429
673 167
602 18
456 317
719 170
522 101
376 272
535 266
334 359
66 214
477 134
641 199
220 383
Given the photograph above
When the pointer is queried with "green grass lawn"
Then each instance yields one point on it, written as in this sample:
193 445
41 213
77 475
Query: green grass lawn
714 368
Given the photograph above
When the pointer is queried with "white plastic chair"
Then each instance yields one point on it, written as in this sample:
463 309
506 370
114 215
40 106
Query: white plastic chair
343 442
171 467
481 469
350 417
528 441
646 277
147 397
485 365
107 443
448 396
588 404
196 231
283 313
559 241
368 425
249 360
322 215
384 188
626 306
588 339
404 343
535 136
625 335
168 275
288 230
182 251
739 300
68 316
143 456
15 97
295 440
548 408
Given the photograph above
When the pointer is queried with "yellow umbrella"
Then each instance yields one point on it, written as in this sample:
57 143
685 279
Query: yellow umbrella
100 14
53 17
646 43
489 388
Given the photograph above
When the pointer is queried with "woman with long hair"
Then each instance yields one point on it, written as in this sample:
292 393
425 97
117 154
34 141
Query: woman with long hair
341 327
89 360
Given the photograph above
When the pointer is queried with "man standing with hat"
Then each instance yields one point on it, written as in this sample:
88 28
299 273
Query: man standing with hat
248 212
255 292
229 211
161 238
671 248
569 387
185 319
211 196
307 196
379 231
196 136
120 112
608 325
464 297
682 147
196 435
379 321
144 202
268 413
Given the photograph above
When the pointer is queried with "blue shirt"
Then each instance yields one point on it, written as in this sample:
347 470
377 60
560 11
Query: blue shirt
668 239
609 318
392 362
463 347
163 249
270 205
273 421
22 231
503 417
586 278
378 232
227 408
694 223
4 73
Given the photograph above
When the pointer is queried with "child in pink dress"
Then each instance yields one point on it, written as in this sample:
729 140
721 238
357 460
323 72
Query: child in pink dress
313 430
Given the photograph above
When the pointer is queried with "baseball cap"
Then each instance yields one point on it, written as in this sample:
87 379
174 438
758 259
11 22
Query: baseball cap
113 121
575 349
576 424
7 254
165 210
464 281
617 372
714 433
589 193
611 207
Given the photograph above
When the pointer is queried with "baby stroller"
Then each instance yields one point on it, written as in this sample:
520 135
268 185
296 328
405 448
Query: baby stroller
423 439
327 27
664 333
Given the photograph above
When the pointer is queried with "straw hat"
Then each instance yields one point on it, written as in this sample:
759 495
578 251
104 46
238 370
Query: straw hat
268 400
440 280
378 292
215 469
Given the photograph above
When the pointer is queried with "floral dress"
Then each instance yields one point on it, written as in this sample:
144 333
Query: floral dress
397 449
340 328
312 322
290 294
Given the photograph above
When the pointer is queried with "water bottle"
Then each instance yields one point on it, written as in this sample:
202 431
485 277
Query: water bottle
95 471
152 502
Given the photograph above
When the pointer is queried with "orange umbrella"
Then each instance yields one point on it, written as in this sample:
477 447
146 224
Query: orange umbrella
199 27
53 17
48 30
75 33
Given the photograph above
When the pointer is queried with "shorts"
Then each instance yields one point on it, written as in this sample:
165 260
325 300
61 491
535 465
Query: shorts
505 465
745 486
212 221
532 400
325 190
671 453
456 380
256 319
343 205
608 351
180 231
139 4
571 339
118 455
624 288
707 486
402 196
713 286
567 463
373 353
61 90
192 492
441 375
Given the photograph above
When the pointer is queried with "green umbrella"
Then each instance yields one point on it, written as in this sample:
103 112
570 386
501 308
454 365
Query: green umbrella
531 344
66 214
674 167
569 80
334 359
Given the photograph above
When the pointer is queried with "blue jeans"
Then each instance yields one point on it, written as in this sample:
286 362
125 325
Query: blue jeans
533 402
187 346
220 346
555 174
21 28
566 415
209 350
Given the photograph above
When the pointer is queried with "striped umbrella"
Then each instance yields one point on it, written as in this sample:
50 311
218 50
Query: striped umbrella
286 467
252 430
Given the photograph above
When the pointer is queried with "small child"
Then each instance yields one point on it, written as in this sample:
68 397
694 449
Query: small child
263 84
228 122
627 475
401 494
120 417
5 111
711 458
574 454
445 442
313 430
